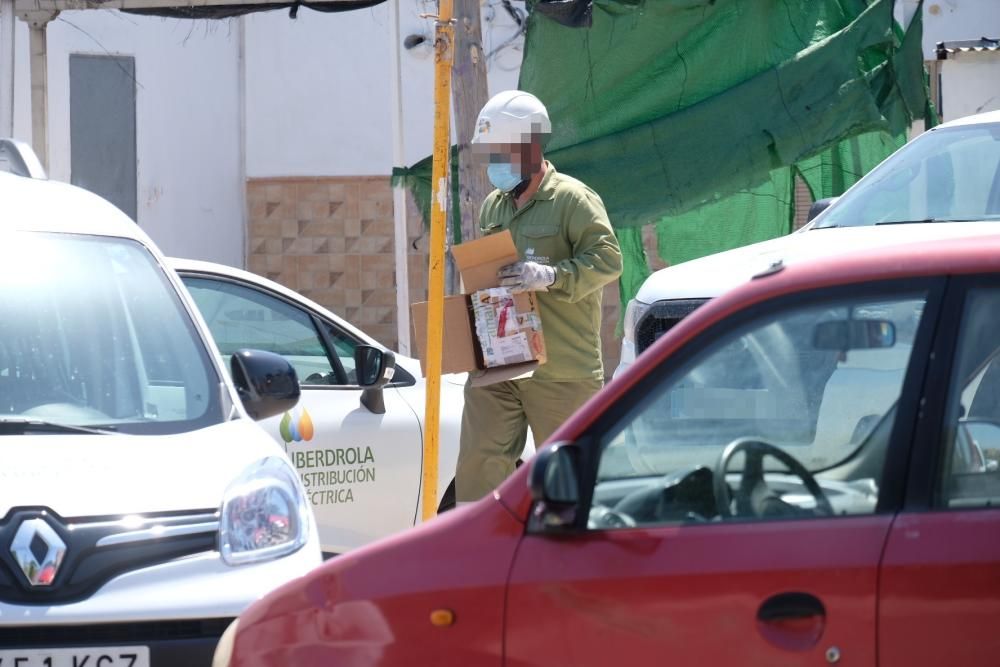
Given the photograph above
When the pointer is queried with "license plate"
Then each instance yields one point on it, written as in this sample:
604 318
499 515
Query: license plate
109 656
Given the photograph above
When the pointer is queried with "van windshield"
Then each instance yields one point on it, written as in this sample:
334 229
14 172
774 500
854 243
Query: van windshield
948 175
93 334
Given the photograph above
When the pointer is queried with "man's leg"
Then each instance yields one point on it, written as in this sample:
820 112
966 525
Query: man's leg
494 431
549 404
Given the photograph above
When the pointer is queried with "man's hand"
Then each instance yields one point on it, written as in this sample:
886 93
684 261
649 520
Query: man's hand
526 277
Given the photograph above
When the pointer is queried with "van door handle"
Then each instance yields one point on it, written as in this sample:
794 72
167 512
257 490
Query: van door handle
790 606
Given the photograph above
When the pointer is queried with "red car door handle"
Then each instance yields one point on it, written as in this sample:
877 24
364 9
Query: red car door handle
788 606
792 621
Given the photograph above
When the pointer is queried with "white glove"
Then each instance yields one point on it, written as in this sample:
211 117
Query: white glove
526 277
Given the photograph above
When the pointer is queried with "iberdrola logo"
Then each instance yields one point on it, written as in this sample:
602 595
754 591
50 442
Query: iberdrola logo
296 429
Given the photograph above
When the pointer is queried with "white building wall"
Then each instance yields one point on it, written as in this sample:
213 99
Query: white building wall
318 88
191 190
970 84
952 20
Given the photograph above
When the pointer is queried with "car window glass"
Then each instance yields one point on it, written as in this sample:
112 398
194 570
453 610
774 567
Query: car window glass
92 333
816 385
969 470
240 317
950 174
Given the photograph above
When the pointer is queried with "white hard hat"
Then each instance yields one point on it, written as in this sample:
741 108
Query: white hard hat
512 117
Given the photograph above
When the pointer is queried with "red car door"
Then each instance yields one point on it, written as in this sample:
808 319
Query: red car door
732 507
940 581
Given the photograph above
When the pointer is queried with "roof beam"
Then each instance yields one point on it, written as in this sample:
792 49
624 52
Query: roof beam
25 8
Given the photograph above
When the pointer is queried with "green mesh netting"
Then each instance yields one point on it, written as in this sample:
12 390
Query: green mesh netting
417 179
634 272
760 213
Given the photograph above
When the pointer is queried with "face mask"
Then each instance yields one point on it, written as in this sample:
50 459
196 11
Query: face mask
502 176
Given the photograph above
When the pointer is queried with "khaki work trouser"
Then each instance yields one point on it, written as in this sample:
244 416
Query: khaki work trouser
495 427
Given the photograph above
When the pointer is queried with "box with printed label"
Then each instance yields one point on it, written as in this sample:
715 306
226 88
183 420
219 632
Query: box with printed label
506 335
488 331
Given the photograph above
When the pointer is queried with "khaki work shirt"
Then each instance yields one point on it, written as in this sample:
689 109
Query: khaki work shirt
563 225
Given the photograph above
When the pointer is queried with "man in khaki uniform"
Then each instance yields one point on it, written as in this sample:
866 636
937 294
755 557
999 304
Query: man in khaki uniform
568 254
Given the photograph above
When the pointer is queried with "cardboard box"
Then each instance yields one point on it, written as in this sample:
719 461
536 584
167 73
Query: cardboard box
478 262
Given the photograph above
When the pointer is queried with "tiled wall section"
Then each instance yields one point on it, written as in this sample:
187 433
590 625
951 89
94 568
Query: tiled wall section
332 240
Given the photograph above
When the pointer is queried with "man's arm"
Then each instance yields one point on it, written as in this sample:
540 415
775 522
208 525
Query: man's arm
597 258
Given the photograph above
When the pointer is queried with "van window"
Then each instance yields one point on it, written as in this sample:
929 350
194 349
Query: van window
93 334
947 174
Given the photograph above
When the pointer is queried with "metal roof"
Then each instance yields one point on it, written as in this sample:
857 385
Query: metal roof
944 49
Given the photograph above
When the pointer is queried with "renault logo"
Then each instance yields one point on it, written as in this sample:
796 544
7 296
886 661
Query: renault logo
38 550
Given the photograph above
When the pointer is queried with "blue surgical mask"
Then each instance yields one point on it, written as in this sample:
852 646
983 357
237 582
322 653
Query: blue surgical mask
503 176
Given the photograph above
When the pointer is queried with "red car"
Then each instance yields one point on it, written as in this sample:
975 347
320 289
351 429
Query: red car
801 472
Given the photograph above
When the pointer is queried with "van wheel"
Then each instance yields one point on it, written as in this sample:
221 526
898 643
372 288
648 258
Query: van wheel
448 500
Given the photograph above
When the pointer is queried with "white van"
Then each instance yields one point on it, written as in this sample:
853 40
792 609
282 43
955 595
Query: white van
141 508
943 184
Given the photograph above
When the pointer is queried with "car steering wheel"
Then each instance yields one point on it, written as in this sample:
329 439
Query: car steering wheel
753 498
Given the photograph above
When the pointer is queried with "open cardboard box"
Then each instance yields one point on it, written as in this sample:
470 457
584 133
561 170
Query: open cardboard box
478 262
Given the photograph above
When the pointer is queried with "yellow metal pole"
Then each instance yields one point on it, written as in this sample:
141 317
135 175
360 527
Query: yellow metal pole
443 55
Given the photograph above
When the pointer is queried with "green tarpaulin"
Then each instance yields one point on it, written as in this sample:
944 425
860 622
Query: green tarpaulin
668 105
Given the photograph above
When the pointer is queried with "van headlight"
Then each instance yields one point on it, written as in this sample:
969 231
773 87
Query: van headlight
264 514
633 313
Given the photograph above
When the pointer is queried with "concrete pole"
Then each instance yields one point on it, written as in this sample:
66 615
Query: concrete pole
398 192
40 88
6 68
